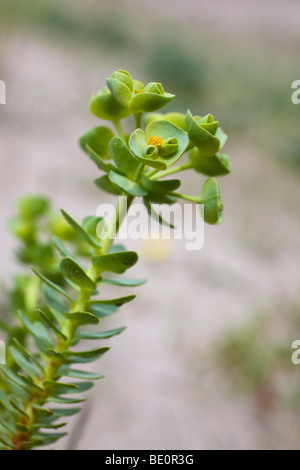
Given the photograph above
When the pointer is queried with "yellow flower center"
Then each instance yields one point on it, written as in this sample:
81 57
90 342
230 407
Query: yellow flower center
136 92
156 141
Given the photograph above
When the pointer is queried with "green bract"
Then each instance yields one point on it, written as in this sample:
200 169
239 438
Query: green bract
105 106
98 140
212 166
175 118
172 143
202 132
210 197
134 96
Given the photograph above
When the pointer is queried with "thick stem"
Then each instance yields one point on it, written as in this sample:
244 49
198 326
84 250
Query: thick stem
152 172
119 129
68 328
186 197
172 170
138 120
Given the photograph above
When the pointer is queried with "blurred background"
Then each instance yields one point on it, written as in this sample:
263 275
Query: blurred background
206 360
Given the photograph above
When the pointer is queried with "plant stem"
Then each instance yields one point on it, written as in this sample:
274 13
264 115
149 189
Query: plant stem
152 172
53 363
186 197
139 172
172 170
119 129
114 224
138 120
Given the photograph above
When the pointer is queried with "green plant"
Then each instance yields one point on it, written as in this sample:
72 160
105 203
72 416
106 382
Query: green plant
52 307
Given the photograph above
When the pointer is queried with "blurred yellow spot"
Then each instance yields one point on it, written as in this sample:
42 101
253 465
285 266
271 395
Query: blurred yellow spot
136 92
156 250
156 141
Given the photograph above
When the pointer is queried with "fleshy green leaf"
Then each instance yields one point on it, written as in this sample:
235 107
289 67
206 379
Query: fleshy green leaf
58 388
62 412
202 135
41 411
152 98
120 91
84 235
131 187
29 356
97 139
54 353
101 334
222 137
160 198
99 162
53 301
106 185
85 356
105 106
52 284
162 187
49 324
61 248
79 374
156 216
115 262
212 166
122 157
124 282
30 382
90 225
83 318
65 400
17 407
210 197
31 368
117 302
6 403
38 330
48 426
33 206
76 274
45 439
102 311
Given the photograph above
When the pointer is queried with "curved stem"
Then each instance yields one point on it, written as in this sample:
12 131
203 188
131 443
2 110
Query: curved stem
172 170
139 172
186 197
138 120
53 363
152 172
119 129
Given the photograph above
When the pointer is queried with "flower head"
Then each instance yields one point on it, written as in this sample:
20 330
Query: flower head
160 146
136 97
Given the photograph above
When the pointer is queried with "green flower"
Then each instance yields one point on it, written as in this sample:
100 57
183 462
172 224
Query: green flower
105 106
136 97
203 133
160 146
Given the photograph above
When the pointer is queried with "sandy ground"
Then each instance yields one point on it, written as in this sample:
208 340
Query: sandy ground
161 388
